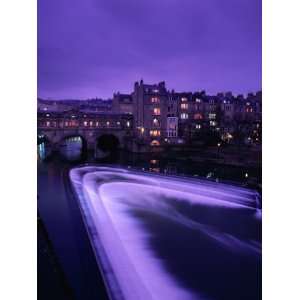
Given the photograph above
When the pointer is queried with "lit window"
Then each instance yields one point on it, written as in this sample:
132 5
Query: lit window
128 124
198 116
48 124
85 123
184 116
97 124
154 132
118 123
156 122
184 106
211 116
184 99
155 100
198 126
198 100
212 123
156 111
66 124
91 123
107 123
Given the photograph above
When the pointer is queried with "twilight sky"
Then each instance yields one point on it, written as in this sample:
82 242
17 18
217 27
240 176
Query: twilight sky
89 48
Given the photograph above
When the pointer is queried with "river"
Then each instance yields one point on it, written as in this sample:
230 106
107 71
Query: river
62 218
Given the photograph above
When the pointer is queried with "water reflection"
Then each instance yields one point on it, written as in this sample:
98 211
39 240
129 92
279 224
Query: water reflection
41 151
43 148
72 148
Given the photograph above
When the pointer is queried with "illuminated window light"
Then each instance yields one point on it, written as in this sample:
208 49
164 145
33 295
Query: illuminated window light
198 116
155 100
156 111
184 116
184 106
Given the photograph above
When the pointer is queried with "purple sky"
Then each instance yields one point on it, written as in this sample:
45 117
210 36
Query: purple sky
90 48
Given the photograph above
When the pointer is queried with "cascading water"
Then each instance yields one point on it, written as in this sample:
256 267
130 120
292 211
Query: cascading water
161 237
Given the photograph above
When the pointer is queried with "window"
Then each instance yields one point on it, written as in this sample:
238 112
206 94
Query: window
91 123
184 116
155 100
198 100
211 116
184 99
172 125
198 116
198 126
154 132
156 111
85 123
107 123
184 106
212 123
156 122
48 124
128 124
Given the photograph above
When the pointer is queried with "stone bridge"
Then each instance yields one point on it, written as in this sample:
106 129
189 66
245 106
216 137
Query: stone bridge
55 127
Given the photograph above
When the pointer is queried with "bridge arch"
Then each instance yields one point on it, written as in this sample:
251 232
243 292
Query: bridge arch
72 146
108 142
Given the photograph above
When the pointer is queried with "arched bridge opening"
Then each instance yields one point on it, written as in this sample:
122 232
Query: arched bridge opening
73 147
106 145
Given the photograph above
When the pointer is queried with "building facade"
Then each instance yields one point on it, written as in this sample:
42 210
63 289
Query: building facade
159 117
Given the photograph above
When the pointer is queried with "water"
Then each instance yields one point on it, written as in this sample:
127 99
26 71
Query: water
63 220
159 237
71 148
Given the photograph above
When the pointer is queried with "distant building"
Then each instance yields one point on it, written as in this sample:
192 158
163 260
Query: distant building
161 117
122 103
